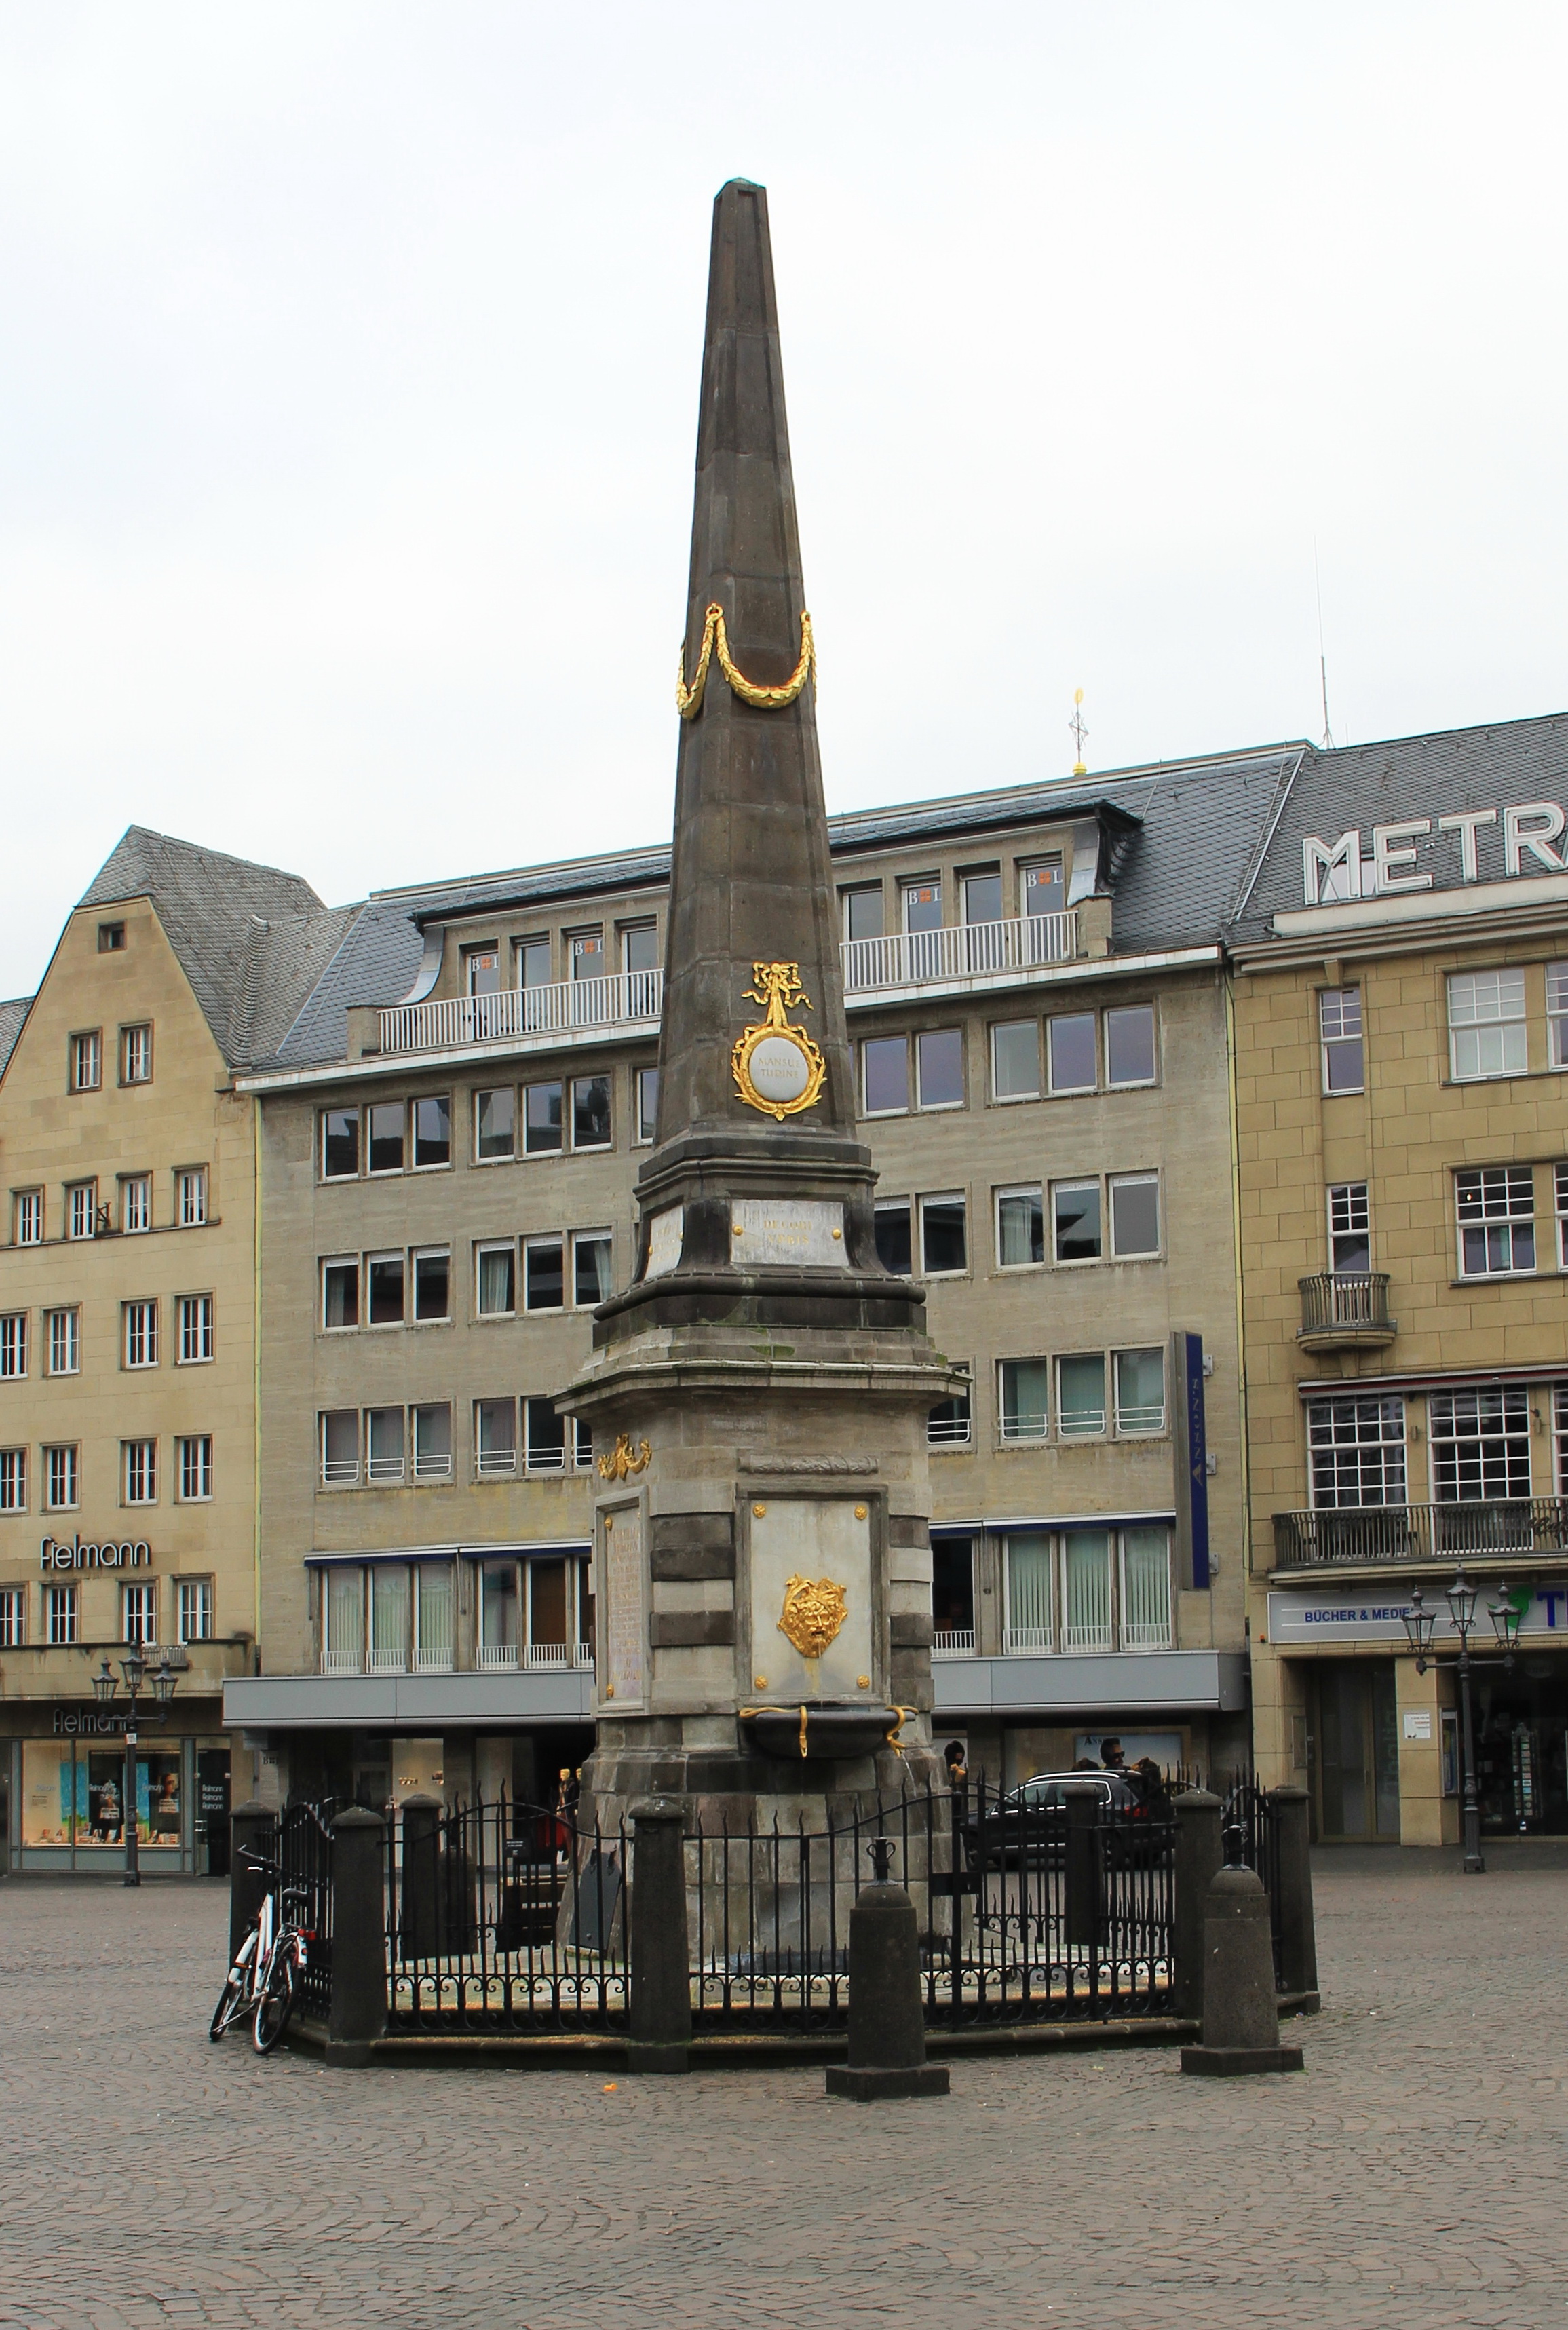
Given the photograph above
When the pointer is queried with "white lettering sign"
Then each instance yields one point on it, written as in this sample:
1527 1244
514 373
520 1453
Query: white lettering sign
1334 872
107 1555
803 1230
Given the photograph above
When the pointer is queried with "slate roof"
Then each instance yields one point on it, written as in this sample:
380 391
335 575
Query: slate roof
13 1015
1505 763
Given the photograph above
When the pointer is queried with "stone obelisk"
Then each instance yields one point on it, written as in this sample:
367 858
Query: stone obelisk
758 1396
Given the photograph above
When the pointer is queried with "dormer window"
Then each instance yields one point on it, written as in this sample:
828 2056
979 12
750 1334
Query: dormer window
983 897
482 970
1044 891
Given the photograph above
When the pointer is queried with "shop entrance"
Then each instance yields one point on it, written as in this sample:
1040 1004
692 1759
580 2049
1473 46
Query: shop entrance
1355 1764
1521 1738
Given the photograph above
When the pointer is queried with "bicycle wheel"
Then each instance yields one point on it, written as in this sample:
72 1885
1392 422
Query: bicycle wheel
233 1998
276 2003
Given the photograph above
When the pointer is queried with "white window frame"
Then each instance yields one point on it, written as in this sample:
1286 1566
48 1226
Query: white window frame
335 1262
139 1334
592 1148
436 1465
945 1198
193 1464
487 1463
1503 1215
1071 1429
60 1615
197 1323
385 1471
939 1107
68 1469
605 1238
138 1472
81 1210
29 1216
506 1156
338 1471
12 1617
138 1612
639 1139
427 1254
1149 1423
63 1328
1557 1015
195 1609
1078 1261
1115 1182
493 1246
1341 1022
1560 1188
13 1480
1349 1210
1012 1100
1038 1428
86 1060
906 1105
1053 1088
135 1053
954 1431
136 1204
1123 1012
557 1239
1016 1189
13 1343
190 1197
384 1326
1482 1003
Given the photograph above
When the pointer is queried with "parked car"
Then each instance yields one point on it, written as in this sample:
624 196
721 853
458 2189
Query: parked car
1027 1827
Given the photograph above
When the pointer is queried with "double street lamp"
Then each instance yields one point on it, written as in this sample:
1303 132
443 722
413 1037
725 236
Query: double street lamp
105 1685
1419 1622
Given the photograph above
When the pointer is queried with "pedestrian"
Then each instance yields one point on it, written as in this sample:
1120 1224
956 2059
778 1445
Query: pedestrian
957 1764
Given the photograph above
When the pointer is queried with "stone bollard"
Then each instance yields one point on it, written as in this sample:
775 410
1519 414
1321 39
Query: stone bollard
1083 1801
252 1829
358 2013
661 1987
1241 2018
419 1894
887 2028
1198 1856
1297 1934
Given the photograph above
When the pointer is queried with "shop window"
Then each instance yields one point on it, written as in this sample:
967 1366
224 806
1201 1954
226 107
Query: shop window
86 1056
138 1612
388 1120
190 1197
340 1294
950 1424
940 1067
1020 1227
1070 1048
1016 1060
433 1285
339 1448
136 1056
195 1317
1027 1574
1487 1033
384 1275
430 1431
12 1617
1075 1221
495 1279
892 1230
494 1438
1134 1216
194 1456
495 1124
62 1478
944 1240
1349 1229
136 1204
13 1346
59 1613
1495 1205
647 1086
590 1272
1340 1039
541 1119
544 1437
1080 1396
1356 1452
140 1330
544 1275
1086 1590
884 1075
13 1480
139 1472
1146 1589
1140 1390
343 1619
63 1328
1024 1386
1130 1055
49 1792
339 1144
432 1132
1480 1443
29 1216
195 1609
433 1632
389 1617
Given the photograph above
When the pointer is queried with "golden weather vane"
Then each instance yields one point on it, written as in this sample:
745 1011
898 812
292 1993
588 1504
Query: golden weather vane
1079 767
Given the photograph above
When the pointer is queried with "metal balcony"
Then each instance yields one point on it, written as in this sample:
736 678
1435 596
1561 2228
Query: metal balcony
966 951
623 1001
1344 1310
1504 1529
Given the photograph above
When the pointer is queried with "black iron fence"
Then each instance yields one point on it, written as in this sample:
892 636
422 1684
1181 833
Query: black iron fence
302 1847
1495 1527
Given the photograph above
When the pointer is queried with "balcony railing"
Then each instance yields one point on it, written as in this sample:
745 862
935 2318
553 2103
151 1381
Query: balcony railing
533 1657
1347 1308
966 951
625 999
956 1643
1509 1526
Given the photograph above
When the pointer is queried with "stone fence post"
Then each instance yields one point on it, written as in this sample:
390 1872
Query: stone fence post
660 1962
1297 1932
1198 1856
1083 1870
419 1921
250 1830
358 2013
887 2031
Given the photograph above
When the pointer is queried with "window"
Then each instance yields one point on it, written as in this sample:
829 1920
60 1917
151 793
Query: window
136 1203
190 1197
136 1056
432 1284
1045 892
983 897
1497 1221
640 947
87 1061
494 1437
1070 1045
432 1131
495 1124
1020 1227
590 1280
433 1616
29 1217
1024 1406
111 938
1560 1180
1145 1589
1486 1034
383 1444
1349 1229
544 1437
1339 1033
195 1620
949 1424
541 1119
60 1613
1480 1445
1557 1014
1016 1060
13 1480
1559 1418
1130 1045
482 970
339 1448
386 1136
544 1275
892 1230
1075 1220
533 961
138 1612
193 1457
645 1084
1134 1215
944 1244
884 1074
590 1113
1356 1453
389 1617
339 1144
862 912
588 955
140 1321
12 1617
1140 1391
62 1478
139 1470
1080 1396
922 904
340 1294
384 1273
195 1313
431 1435
495 1268
952 1596
1026 1572
343 1619
940 1067
64 1331
581 1443
498 1608
82 1209
1086 1590
13 1345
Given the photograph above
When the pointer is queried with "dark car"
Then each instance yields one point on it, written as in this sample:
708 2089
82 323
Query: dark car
1028 1826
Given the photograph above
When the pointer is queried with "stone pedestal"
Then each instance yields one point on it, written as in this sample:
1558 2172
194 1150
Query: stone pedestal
1240 2016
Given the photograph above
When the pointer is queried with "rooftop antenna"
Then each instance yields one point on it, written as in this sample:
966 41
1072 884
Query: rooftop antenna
1322 658
1079 767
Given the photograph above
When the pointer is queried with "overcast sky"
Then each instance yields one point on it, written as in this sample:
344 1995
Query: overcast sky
348 400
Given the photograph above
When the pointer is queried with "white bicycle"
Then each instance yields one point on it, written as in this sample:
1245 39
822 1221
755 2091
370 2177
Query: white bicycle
264 1981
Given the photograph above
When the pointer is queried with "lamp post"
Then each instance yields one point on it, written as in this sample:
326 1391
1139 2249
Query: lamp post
133 1667
1419 1622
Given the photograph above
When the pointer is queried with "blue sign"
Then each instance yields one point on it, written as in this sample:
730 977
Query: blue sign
1197 1482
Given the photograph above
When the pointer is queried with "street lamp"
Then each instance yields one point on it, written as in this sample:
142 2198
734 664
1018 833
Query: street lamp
1419 1622
133 1667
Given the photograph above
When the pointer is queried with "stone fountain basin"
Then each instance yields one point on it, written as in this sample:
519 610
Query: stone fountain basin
840 1729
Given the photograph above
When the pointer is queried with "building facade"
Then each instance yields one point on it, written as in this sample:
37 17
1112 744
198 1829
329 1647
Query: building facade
1401 1041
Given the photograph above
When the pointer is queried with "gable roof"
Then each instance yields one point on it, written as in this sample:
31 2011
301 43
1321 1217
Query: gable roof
12 1018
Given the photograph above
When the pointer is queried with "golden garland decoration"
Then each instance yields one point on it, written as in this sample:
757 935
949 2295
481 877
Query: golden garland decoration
689 700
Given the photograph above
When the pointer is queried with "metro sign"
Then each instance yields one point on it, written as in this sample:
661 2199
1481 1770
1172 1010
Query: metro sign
1334 872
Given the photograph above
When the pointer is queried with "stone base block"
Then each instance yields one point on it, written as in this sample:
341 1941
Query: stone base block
1237 2062
641 2057
866 2087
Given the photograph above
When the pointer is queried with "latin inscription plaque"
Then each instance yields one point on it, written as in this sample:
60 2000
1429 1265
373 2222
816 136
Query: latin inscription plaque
805 1231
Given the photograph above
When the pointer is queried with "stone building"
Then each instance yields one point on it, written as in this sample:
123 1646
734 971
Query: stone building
1401 1038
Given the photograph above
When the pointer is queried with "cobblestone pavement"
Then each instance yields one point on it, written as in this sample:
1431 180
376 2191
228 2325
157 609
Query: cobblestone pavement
1411 2180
